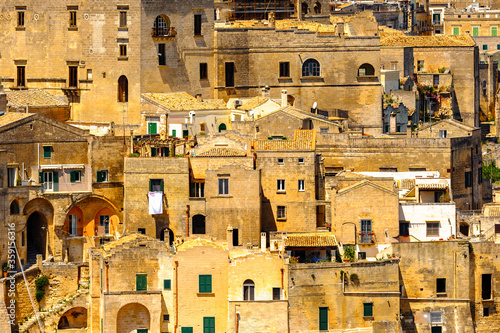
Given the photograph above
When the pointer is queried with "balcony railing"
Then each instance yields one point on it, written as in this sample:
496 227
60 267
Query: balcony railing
436 22
365 238
163 32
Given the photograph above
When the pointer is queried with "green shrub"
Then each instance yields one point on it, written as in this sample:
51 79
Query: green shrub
349 252
41 282
39 294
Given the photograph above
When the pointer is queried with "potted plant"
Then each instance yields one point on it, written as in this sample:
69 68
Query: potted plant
5 269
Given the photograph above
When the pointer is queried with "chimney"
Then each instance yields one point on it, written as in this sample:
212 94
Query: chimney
272 19
392 124
266 92
340 29
198 98
284 98
229 237
263 241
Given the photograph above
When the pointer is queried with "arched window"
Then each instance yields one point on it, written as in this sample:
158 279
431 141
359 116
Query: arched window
248 290
317 8
311 68
199 224
14 208
161 26
304 8
222 127
123 89
366 69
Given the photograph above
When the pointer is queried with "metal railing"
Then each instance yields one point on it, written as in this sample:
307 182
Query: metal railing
163 32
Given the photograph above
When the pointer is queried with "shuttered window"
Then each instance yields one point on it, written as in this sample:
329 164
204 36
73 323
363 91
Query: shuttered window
205 283
141 282
367 309
167 284
208 324
323 319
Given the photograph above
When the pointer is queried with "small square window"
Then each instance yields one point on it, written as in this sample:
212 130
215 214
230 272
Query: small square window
166 317
47 152
436 317
123 50
443 134
281 161
486 311
205 283
281 212
323 130
102 176
281 185
301 160
75 176
276 294
361 255
485 47
404 228
141 231
440 286
432 229
156 185
223 186
167 284
367 309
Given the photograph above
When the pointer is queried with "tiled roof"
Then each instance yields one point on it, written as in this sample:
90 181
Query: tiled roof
389 38
313 239
189 244
125 239
222 152
303 140
433 186
34 98
281 25
253 103
11 117
182 101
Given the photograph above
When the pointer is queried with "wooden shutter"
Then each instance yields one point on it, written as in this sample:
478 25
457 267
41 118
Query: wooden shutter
192 190
150 186
187 330
167 284
99 176
153 151
72 176
208 324
368 309
323 319
161 185
55 174
141 282
40 177
205 283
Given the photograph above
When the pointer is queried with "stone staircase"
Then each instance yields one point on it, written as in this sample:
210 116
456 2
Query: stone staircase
54 310
352 32
4 319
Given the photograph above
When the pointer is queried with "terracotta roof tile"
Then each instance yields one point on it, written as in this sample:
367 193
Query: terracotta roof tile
390 37
253 103
303 140
189 244
34 98
313 239
11 117
222 152
182 101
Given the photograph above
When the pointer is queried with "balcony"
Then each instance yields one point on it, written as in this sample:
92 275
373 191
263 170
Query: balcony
436 23
366 238
163 32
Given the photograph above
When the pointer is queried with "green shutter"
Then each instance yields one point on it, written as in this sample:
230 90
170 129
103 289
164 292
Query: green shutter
475 31
153 151
150 186
55 174
167 151
152 128
323 319
46 152
174 133
40 177
456 31
208 324
205 283
192 190
142 330
167 284
99 176
72 176
494 31
367 309
141 282
161 185
186 330
185 133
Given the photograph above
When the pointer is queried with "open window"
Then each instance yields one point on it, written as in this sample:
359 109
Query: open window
248 290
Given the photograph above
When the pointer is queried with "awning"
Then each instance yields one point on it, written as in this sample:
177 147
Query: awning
62 166
313 239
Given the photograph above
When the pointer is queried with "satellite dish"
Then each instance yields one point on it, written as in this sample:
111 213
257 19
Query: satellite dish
315 105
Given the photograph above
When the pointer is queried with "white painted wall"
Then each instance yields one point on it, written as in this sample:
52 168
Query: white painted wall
419 214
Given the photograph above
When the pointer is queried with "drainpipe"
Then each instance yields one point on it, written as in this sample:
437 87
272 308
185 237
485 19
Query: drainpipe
187 219
107 276
176 267
237 322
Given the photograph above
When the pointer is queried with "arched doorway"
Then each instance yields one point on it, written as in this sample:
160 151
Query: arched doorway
222 127
123 89
304 8
132 317
199 224
169 233
73 318
464 229
37 230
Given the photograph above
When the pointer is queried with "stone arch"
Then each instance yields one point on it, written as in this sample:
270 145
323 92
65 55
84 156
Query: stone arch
222 127
132 317
248 290
68 227
311 67
37 234
14 207
161 26
366 69
122 89
199 224
305 8
73 318
317 8
169 233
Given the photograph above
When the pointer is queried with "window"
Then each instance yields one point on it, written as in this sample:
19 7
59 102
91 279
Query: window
468 179
440 285
281 185
284 69
123 19
366 229
223 186
276 294
494 31
366 69
72 19
486 286
456 31
197 189
205 284
485 47
248 290
361 255
104 222
123 50
186 330
480 175
73 76
162 60
443 134
73 225
301 185
142 231
141 282
498 46
236 238
436 317
208 324
197 24
486 311
22 242
432 229
420 65
394 65
48 181
311 68
75 176
323 319
20 19
166 317
203 71
367 309
156 185
435 80
14 208
167 284
102 176
281 212
12 177
404 228
475 31
229 66
47 151
123 86
162 27
323 130
301 160
185 133
152 125
89 74
21 76
281 161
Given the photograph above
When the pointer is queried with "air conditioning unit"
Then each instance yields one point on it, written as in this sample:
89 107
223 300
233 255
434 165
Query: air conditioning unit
237 103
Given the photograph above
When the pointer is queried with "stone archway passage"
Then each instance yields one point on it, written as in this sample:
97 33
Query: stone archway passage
73 318
36 235
133 317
